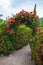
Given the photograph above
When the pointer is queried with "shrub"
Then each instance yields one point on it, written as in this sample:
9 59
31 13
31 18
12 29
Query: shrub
5 43
37 47
23 35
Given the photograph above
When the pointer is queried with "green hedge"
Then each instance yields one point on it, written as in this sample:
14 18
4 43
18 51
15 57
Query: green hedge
8 42
37 47
23 35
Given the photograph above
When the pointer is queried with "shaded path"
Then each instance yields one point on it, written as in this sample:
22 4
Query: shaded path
20 57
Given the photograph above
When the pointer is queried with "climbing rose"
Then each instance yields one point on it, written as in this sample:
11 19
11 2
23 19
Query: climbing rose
9 23
11 20
7 31
31 12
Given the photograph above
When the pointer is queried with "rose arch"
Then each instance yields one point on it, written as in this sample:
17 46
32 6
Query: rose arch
30 20
26 19
21 29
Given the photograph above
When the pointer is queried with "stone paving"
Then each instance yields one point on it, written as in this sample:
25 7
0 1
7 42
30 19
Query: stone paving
20 57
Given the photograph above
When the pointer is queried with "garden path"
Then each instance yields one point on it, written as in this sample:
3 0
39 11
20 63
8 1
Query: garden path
20 57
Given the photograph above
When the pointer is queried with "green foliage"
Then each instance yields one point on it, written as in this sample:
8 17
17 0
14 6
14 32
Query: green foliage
23 35
41 22
15 41
2 23
41 25
37 47
6 45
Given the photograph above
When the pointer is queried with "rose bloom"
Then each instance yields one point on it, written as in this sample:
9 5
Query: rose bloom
7 31
11 20
31 12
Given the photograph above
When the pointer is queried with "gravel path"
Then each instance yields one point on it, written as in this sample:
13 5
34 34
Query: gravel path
20 57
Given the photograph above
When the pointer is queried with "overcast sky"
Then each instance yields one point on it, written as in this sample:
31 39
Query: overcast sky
8 7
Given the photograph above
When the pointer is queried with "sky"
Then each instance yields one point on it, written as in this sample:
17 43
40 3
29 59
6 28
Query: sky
9 7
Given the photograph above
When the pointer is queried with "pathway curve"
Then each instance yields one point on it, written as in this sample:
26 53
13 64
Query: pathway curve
20 57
